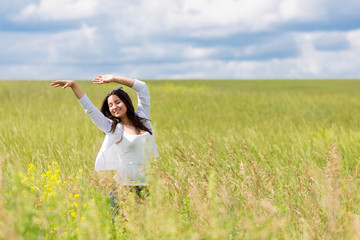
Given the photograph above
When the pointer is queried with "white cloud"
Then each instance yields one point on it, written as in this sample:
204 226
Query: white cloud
197 52
354 39
327 63
301 10
59 10
177 39
49 48
310 63
204 18
201 18
181 60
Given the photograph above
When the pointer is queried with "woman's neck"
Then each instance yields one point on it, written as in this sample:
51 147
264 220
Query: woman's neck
125 121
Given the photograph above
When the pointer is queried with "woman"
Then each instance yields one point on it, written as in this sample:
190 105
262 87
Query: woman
129 141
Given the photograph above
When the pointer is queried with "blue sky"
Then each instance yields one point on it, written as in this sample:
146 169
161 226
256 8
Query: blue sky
183 39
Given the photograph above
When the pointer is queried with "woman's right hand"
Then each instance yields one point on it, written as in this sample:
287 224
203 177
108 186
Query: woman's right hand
63 83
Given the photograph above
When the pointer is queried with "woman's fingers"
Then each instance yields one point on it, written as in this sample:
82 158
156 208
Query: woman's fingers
55 84
61 83
98 80
99 77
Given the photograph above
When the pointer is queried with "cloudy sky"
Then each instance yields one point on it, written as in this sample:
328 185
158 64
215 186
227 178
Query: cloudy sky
180 39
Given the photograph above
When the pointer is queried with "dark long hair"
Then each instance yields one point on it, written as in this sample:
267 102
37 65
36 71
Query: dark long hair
130 113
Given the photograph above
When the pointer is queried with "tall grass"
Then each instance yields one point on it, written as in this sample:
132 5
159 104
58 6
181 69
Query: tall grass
238 160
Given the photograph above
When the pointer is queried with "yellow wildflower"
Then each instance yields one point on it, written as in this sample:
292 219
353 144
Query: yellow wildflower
31 166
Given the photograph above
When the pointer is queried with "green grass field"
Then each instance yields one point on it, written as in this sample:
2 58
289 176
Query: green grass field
238 160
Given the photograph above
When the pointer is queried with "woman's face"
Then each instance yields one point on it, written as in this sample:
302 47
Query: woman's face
116 106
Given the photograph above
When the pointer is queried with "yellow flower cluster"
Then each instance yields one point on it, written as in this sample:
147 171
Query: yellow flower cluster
47 185
29 178
54 188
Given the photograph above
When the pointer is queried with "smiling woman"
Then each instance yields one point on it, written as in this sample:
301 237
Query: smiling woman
129 142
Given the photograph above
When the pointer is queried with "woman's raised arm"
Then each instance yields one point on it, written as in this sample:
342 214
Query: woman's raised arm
69 83
102 122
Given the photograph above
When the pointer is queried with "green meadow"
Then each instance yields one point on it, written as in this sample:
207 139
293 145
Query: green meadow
275 159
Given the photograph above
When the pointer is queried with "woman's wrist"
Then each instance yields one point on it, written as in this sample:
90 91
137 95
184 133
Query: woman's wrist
73 84
118 79
129 82
77 91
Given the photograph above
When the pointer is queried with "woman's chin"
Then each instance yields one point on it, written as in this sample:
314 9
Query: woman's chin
118 115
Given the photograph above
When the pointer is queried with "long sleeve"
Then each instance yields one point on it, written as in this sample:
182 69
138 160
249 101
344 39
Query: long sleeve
143 109
102 122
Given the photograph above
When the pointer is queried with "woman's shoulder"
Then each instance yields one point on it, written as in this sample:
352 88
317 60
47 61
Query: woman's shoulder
140 86
116 135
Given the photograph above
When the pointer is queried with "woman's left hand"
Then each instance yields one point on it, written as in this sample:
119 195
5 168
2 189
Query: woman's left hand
101 79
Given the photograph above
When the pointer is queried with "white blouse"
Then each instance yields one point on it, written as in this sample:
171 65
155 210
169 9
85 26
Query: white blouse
132 155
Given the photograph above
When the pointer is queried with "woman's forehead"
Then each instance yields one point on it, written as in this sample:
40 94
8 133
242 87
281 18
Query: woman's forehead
113 98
